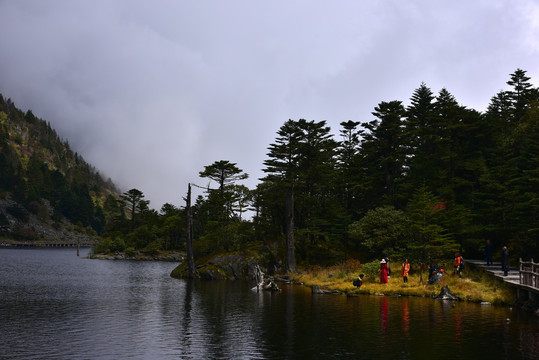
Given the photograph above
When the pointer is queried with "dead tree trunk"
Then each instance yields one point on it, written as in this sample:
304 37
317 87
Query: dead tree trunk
190 256
259 277
264 282
290 246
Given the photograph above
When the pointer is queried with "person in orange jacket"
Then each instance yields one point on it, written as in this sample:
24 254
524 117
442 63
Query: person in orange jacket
405 269
458 263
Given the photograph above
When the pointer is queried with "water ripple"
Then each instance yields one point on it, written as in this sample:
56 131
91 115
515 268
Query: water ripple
54 305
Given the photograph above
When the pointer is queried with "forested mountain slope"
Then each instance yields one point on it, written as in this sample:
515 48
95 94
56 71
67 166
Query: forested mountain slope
46 190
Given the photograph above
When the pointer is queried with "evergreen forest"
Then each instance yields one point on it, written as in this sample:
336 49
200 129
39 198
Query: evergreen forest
41 177
420 179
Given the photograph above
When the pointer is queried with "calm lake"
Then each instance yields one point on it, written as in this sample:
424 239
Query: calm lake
55 305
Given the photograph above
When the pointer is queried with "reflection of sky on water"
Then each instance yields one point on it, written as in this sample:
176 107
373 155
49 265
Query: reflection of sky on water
55 305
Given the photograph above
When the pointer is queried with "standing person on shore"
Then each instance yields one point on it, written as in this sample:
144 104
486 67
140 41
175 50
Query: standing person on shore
458 263
505 261
405 270
433 269
388 267
383 272
488 253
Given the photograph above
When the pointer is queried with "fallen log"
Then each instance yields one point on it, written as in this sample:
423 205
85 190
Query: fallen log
315 289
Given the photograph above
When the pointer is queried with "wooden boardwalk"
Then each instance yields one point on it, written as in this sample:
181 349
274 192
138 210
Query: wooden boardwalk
512 278
48 244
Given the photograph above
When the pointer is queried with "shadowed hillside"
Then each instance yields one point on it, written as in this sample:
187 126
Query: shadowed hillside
47 191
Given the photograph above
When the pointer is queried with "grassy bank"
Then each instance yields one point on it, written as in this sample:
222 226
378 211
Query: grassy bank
474 286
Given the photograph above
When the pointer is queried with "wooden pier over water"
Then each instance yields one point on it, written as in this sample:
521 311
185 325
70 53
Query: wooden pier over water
49 244
525 278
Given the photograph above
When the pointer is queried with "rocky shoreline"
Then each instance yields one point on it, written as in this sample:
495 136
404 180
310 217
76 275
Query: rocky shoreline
241 266
40 228
173 256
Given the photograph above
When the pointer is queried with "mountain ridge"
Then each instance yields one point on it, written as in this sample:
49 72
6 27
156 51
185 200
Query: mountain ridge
47 191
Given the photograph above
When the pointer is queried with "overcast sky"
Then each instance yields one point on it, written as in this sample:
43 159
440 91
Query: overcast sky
150 92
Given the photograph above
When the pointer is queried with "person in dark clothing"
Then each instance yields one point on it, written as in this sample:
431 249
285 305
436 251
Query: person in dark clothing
436 277
388 267
505 261
488 253
433 269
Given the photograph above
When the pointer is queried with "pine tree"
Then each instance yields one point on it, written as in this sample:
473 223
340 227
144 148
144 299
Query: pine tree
349 168
301 164
134 199
282 169
384 153
420 138
429 239
223 172
521 93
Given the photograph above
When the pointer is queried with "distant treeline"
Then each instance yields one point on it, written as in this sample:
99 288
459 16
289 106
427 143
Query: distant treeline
423 180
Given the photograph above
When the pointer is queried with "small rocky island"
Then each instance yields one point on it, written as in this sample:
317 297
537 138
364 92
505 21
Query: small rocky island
254 263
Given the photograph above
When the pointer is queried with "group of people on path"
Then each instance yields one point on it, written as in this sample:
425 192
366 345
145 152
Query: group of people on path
385 270
435 273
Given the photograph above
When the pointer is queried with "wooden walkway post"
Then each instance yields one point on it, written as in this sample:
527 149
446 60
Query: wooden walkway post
529 273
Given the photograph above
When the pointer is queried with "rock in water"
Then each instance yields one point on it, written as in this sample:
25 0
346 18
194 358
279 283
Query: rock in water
445 294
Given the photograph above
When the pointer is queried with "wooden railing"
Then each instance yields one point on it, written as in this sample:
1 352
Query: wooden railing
529 273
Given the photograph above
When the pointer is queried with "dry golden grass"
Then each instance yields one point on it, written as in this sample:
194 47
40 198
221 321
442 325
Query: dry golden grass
473 286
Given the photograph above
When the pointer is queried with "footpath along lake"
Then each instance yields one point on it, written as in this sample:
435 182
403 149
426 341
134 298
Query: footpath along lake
55 305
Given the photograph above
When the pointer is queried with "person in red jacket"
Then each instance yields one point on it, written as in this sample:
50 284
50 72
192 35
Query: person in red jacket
383 272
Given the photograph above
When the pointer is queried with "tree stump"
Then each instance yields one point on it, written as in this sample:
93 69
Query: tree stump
264 282
445 294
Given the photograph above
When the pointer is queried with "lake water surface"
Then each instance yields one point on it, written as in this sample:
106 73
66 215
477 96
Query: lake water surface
55 305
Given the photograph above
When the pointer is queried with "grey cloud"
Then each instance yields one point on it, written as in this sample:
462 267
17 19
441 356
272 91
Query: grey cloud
151 92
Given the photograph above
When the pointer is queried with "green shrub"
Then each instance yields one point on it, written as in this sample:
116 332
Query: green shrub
118 245
130 251
371 270
108 245
103 246
153 247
